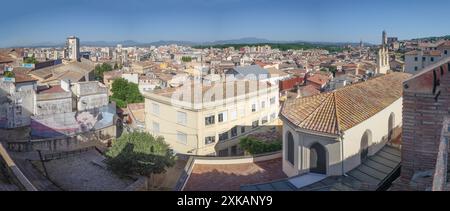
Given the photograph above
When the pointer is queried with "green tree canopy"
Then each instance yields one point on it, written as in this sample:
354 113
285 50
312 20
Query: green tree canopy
186 59
139 153
30 60
100 69
332 69
126 92
9 74
255 146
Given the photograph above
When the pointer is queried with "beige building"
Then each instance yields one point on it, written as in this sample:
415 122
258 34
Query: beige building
209 120
332 133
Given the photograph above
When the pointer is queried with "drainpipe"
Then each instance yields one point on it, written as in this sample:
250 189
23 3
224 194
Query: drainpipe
341 137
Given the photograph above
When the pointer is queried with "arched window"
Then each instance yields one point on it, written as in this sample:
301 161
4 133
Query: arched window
290 148
365 141
391 125
317 159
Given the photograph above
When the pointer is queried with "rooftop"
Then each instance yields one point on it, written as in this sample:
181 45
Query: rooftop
210 89
53 89
229 177
374 174
346 107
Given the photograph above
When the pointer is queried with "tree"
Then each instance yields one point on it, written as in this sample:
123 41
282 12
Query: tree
186 59
9 74
100 69
255 146
30 60
125 92
332 69
139 153
116 66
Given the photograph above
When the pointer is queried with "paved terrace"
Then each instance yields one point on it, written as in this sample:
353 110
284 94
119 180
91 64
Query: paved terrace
229 177
374 174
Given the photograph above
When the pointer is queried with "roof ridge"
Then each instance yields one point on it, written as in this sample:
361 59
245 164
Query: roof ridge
336 113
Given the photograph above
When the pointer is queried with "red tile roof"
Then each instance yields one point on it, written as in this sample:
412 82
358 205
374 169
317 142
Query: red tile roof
53 89
344 108
319 79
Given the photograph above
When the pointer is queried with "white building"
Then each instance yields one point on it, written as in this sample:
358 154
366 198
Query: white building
334 132
73 48
416 60
210 119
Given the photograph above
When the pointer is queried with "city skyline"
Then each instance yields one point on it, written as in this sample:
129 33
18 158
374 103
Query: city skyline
51 21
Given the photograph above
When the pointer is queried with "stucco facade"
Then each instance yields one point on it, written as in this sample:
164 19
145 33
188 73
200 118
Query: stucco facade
346 147
231 119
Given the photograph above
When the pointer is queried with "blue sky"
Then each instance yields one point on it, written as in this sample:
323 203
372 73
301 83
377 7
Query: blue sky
24 22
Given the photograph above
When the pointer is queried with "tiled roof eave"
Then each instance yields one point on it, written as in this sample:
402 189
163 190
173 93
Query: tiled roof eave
308 131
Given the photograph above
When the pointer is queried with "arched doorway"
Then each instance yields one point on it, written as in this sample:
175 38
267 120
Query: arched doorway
290 148
364 148
317 159
391 124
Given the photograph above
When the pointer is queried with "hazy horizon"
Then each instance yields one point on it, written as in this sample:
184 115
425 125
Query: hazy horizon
26 22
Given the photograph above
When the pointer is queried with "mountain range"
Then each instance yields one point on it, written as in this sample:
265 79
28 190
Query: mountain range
128 43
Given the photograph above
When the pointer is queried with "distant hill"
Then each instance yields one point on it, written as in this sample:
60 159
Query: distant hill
446 37
246 40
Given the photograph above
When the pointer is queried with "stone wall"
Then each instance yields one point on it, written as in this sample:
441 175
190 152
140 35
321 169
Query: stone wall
425 102
100 139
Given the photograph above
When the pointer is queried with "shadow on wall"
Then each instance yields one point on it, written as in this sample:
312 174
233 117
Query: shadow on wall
13 113
357 159
231 177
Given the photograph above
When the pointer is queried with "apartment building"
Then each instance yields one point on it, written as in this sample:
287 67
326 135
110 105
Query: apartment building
209 119
416 60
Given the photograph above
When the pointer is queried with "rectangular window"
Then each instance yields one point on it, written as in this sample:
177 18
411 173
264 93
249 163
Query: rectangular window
263 104
242 129
222 117
155 128
210 140
155 109
432 59
253 107
273 116
445 52
272 100
264 120
234 131
209 120
415 68
255 124
424 59
416 59
223 136
233 114
182 138
181 118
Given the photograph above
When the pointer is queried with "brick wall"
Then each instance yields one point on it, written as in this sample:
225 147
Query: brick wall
423 113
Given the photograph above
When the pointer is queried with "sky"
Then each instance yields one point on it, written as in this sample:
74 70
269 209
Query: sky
25 22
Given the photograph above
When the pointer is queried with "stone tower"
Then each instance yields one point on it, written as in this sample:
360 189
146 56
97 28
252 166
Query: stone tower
383 56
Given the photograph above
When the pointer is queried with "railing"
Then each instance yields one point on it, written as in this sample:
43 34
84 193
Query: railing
66 154
440 173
